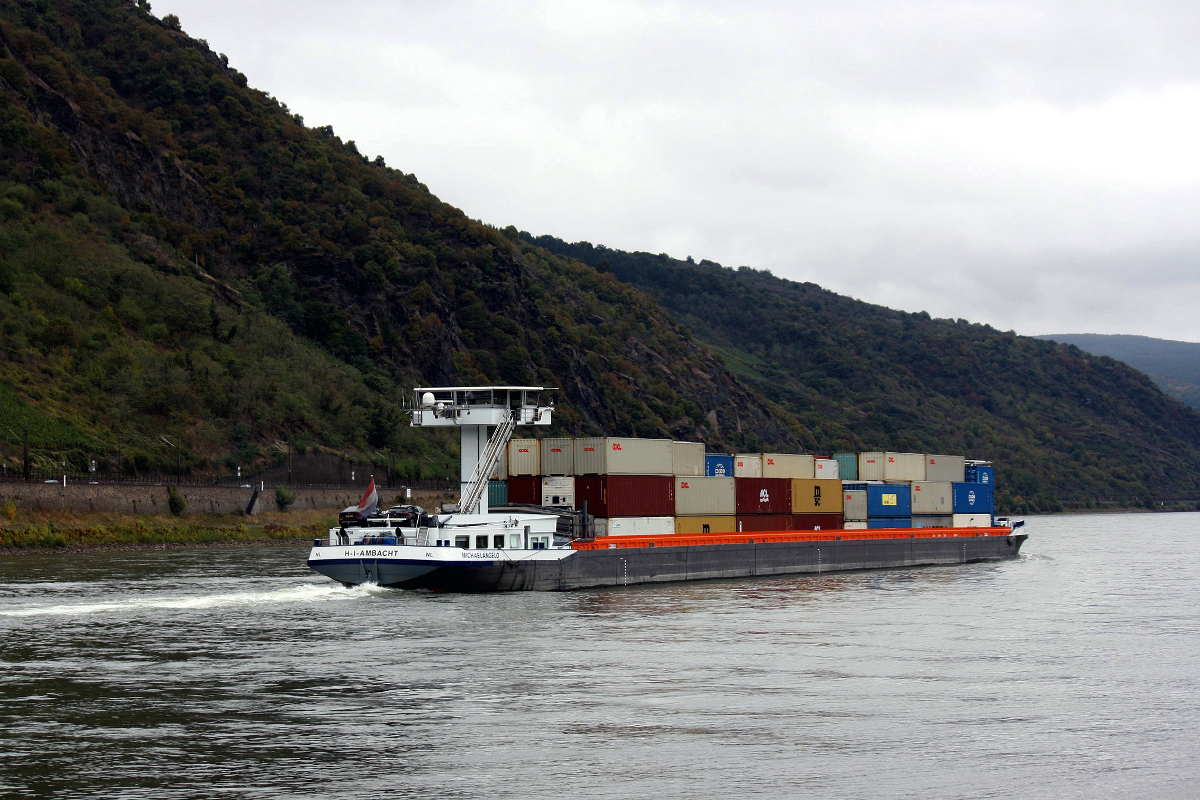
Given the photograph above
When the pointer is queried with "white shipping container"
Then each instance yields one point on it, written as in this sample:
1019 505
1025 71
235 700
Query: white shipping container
932 521
854 505
972 520
558 456
747 465
932 497
705 497
787 465
687 458
826 468
952 469
633 526
524 457
891 466
558 492
620 455
870 466
854 525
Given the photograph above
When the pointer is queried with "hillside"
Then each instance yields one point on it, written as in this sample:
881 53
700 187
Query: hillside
1174 366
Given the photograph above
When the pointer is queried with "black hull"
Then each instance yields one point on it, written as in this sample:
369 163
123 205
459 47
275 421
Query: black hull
585 569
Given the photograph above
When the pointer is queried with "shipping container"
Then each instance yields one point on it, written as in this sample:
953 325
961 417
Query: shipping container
524 457
747 465
616 455
816 522
890 522
932 521
633 526
558 456
932 497
759 523
816 496
687 458
559 491
787 465
854 525
854 504
951 469
722 524
973 498
500 473
826 468
980 474
525 489
891 466
764 496
497 493
971 520
888 501
847 465
625 495
705 497
718 466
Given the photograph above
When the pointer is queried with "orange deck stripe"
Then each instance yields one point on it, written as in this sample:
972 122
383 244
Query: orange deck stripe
766 537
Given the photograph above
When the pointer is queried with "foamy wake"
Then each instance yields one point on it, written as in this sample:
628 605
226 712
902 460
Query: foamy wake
306 593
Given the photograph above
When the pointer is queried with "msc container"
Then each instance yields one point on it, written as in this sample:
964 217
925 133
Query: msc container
888 501
979 474
816 496
758 523
945 468
500 473
617 455
687 458
722 524
497 493
558 457
891 466
764 496
525 489
971 520
524 457
747 465
932 521
890 522
847 465
854 524
931 497
633 526
787 465
826 468
559 491
973 498
718 466
854 504
816 522
705 497
625 495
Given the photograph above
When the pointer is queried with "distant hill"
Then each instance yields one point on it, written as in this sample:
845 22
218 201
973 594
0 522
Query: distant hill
1174 366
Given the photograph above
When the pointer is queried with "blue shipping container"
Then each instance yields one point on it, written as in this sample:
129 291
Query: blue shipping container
977 474
973 498
890 522
889 500
497 493
717 466
847 465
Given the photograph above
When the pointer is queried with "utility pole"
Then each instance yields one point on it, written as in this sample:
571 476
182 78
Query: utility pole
25 456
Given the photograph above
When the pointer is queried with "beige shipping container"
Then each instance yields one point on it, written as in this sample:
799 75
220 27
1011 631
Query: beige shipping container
932 497
687 458
971 520
705 496
854 505
891 466
816 496
952 469
620 455
559 491
524 457
788 465
826 468
854 524
633 526
722 524
747 465
558 456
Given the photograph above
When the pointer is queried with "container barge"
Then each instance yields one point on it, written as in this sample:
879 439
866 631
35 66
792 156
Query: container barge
531 549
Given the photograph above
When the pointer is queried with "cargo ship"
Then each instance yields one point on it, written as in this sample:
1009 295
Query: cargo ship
602 529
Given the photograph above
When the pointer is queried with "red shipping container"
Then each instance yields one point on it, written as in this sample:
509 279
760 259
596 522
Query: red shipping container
525 489
626 495
816 522
758 523
764 496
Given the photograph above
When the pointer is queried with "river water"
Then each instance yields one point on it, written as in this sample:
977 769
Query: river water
1073 671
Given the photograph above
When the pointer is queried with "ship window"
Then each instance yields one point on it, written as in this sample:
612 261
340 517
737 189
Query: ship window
481 542
462 541
498 541
514 541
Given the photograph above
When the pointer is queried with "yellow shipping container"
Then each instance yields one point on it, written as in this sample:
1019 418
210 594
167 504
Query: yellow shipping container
816 496
705 524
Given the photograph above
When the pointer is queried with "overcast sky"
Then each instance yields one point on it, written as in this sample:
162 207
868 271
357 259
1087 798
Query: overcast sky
1034 166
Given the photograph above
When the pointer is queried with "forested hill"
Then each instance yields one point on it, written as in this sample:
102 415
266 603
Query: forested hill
858 376
1174 366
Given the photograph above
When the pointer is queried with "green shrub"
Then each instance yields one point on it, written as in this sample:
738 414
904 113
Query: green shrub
284 497
176 500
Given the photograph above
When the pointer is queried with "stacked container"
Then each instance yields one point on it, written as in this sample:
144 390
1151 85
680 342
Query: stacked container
973 502
932 504
687 458
891 466
788 465
889 506
558 457
847 465
816 503
558 492
980 473
616 455
827 468
524 457
951 469
718 466
747 465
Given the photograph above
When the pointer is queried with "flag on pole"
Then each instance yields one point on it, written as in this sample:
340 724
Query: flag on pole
370 500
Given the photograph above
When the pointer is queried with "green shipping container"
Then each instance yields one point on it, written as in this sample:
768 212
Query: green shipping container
497 493
847 465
